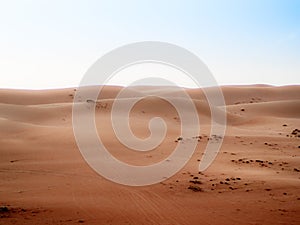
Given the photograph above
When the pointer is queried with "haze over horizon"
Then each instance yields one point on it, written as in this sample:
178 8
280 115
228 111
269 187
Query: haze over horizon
74 152
51 44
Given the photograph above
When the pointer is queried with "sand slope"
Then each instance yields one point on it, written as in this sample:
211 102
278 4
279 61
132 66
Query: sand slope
254 180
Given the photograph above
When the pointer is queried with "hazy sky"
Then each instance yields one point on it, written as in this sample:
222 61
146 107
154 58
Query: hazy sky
47 44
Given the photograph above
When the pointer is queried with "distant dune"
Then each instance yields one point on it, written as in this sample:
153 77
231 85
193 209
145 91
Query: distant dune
255 178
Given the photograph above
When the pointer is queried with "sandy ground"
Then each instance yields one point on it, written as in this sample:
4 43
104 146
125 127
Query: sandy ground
255 178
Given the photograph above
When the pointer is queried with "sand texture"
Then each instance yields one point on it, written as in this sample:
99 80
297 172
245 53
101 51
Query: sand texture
255 178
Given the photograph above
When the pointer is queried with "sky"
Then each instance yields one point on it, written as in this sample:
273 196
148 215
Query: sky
51 44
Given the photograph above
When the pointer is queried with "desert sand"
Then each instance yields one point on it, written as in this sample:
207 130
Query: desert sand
255 178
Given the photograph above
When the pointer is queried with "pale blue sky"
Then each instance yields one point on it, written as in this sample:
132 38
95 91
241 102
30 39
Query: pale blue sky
48 44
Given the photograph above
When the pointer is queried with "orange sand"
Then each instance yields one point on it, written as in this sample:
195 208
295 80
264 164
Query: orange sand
45 180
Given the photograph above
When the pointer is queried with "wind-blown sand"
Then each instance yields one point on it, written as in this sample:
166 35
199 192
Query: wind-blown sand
255 178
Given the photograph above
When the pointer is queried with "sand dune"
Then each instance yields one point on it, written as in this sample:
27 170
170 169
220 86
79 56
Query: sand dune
283 108
255 178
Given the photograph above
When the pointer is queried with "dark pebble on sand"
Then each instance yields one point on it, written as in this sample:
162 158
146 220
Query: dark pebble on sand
3 209
259 161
